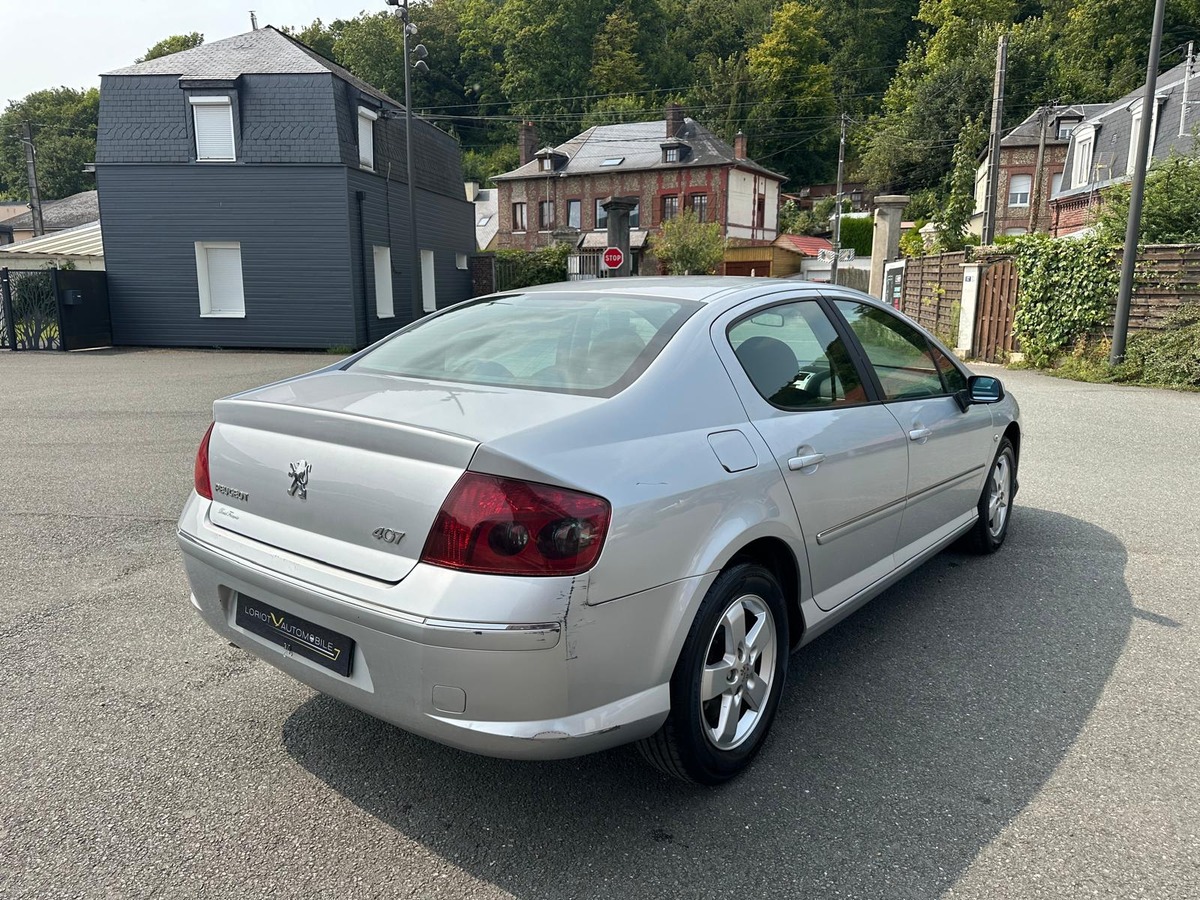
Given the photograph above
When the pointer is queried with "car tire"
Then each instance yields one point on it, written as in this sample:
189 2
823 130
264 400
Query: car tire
995 503
728 680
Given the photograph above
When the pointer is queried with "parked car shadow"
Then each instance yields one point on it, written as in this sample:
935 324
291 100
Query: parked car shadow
907 739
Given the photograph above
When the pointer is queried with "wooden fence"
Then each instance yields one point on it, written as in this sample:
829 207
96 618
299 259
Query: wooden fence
1167 276
933 293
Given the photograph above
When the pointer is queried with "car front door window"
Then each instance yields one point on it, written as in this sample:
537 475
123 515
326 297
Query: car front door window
897 352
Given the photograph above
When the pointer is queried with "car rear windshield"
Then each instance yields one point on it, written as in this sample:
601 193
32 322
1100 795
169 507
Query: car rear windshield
581 343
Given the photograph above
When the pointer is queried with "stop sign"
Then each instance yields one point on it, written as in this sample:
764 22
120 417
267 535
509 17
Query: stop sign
613 257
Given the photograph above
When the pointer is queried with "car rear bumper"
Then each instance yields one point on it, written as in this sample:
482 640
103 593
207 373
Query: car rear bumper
592 678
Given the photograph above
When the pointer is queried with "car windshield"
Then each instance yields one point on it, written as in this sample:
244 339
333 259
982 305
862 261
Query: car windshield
581 343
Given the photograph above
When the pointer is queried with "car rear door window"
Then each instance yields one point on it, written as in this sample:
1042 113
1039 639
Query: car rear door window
793 356
899 354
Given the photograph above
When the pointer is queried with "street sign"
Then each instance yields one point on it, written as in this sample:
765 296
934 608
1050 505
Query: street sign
613 257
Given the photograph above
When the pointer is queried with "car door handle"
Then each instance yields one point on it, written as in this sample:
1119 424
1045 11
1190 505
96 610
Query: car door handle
919 434
803 462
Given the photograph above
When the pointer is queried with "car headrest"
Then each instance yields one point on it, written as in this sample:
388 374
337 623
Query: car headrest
769 362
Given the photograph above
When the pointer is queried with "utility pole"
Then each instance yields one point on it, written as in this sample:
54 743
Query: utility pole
420 65
1137 192
1187 83
993 182
837 210
35 199
1035 201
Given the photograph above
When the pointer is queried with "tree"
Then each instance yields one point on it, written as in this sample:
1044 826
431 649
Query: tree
1171 208
64 135
173 44
687 246
615 110
955 218
792 119
615 65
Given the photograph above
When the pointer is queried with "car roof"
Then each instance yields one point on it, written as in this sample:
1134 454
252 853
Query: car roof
696 288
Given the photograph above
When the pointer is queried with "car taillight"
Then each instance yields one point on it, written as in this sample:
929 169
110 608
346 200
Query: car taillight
502 526
203 483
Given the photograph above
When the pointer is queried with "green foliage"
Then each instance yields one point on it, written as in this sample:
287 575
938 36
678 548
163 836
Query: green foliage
1170 357
524 268
1171 207
481 165
924 204
689 247
912 242
1067 288
176 43
615 110
793 83
791 218
64 133
615 64
858 233
956 214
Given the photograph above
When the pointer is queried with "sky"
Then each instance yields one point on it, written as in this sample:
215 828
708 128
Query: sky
51 43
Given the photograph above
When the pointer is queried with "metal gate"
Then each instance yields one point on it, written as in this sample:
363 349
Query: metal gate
995 311
53 309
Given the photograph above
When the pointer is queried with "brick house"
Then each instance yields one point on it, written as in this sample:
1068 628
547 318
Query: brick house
860 195
1024 190
671 165
1102 146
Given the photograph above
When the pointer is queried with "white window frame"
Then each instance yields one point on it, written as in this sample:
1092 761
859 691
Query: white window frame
1012 193
1056 180
1135 110
366 138
208 103
547 164
237 311
381 256
576 220
460 261
428 282
1084 137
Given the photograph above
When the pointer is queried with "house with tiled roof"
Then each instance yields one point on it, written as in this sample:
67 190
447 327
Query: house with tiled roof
1102 146
254 194
671 165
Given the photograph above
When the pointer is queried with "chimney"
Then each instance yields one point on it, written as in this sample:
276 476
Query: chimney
527 140
674 120
739 146
472 190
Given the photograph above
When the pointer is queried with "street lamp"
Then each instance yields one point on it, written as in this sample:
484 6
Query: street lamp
420 65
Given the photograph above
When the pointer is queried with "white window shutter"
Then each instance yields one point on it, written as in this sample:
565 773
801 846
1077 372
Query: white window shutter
428 282
383 282
214 131
366 138
220 276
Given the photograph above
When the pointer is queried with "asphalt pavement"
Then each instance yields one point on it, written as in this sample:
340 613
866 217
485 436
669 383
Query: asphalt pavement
1021 726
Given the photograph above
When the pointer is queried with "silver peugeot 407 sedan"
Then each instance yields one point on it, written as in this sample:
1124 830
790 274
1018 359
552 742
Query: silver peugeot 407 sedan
543 523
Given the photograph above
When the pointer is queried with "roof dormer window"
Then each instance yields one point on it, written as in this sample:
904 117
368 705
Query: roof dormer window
546 164
674 151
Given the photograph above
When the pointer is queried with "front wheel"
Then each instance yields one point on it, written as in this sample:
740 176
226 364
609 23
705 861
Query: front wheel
728 680
995 503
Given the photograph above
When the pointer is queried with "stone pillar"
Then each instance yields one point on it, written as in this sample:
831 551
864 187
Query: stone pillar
972 273
618 209
885 246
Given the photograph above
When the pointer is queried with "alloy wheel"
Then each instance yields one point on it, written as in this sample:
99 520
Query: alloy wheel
739 672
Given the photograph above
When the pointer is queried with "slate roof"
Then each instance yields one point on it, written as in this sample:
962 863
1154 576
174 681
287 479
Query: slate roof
57 215
266 51
1114 131
1028 133
638 145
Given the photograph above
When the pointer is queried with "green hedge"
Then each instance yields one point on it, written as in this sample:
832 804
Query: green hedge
858 234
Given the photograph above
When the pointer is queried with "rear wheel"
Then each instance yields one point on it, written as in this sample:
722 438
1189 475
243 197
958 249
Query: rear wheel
995 503
728 680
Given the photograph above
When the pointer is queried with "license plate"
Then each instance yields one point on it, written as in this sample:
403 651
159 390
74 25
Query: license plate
320 645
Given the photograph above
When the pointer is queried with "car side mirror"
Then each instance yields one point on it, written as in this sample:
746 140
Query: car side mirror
984 389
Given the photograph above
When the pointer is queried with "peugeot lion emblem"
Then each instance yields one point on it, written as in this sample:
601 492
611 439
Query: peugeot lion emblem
299 474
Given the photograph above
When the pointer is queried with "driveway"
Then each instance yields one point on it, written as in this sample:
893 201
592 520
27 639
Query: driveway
1025 725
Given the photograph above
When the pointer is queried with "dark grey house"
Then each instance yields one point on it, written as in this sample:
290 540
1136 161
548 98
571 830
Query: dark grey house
253 194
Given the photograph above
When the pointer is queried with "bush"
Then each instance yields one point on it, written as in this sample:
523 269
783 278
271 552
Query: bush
1067 288
858 233
1170 357
525 268
689 247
